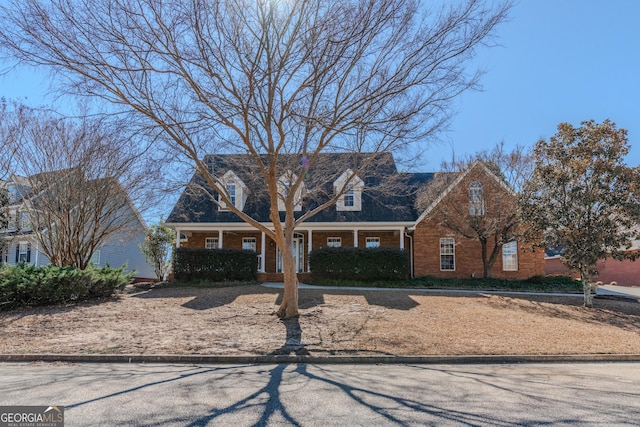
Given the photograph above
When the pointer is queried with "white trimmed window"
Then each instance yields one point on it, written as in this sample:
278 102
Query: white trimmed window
447 254
249 244
351 187
23 252
236 191
372 242
510 256
334 242
285 184
349 197
25 221
231 191
211 243
476 199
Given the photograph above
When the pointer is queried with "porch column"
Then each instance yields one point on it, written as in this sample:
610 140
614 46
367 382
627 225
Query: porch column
309 248
402 238
355 238
219 239
177 237
262 252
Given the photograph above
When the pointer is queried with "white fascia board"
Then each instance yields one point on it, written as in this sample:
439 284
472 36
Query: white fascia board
315 226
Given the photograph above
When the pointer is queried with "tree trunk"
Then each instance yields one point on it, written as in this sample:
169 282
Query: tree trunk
586 287
485 262
289 306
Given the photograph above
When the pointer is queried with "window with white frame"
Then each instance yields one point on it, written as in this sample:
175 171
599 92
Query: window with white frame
447 254
349 196
334 242
236 191
211 243
25 221
476 199
249 244
285 183
351 186
510 256
23 253
372 242
231 191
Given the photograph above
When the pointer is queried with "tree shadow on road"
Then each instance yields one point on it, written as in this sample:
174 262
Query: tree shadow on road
293 341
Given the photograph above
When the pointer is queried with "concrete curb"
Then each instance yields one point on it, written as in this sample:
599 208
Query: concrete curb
347 359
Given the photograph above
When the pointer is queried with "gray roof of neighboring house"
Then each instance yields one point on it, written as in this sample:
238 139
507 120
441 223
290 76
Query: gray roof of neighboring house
388 195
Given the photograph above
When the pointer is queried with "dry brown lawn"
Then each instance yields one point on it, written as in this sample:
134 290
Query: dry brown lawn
239 321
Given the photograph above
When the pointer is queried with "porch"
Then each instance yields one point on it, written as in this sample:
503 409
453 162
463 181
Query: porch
306 239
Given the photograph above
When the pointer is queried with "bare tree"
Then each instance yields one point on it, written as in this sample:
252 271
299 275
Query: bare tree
81 177
492 224
277 80
6 135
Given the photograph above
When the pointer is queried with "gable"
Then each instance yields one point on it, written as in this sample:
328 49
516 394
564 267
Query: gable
460 183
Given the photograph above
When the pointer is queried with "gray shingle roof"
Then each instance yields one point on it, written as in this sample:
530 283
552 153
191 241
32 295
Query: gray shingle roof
388 195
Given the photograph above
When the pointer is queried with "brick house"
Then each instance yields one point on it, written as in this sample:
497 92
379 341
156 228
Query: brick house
439 251
370 214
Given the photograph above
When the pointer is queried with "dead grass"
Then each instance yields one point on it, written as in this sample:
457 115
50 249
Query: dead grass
239 321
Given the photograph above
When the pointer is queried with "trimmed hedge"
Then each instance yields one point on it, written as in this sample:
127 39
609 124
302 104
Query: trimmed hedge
26 285
215 265
359 264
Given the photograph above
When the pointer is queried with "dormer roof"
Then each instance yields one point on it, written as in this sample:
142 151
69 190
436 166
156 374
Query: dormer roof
195 206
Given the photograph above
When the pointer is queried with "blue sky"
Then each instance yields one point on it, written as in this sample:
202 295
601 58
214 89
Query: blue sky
557 61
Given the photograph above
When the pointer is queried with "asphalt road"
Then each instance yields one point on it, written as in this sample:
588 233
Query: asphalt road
329 395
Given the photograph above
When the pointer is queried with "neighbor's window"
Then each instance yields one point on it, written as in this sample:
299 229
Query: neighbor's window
476 199
373 242
334 242
510 256
25 221
447 254
95 258
24 252
211 243
249 244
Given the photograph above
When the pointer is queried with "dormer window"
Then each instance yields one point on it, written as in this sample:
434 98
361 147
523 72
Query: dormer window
349 196
351 187
231 191
476 199
284 187
236 191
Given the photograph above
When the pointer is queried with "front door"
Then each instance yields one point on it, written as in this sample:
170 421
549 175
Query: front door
298 254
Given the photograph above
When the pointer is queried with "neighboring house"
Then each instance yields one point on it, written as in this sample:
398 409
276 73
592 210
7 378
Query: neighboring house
625 273
366 215
23 245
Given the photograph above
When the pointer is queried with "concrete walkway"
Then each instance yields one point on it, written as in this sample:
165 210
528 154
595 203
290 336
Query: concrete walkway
609 290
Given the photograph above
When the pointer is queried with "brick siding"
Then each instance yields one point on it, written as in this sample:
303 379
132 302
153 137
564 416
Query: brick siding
468 253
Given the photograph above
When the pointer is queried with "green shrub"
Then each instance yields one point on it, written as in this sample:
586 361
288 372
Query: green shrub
215 265
359 264
25 284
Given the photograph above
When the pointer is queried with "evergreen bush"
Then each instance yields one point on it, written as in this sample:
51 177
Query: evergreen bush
215 265
26 284
359 263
